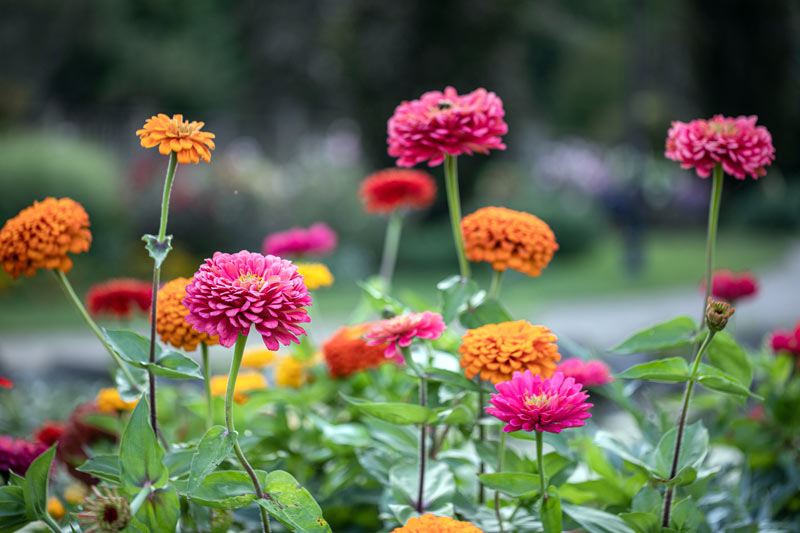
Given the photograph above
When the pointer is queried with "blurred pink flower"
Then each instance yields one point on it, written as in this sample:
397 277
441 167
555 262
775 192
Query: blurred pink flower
732 287
16 455
232 292
399 331
446 123
592 373
788 341
741 147
319 239
531 403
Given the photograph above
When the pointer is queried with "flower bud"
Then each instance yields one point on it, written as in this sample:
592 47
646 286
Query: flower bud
105 512
717 314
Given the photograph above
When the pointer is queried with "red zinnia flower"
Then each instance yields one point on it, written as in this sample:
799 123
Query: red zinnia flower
319 239
442 123
6 383
732 287
399 331
397 188
50 432
118 297
16 455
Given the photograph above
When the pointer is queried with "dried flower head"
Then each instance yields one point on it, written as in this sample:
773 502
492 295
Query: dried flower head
16 455
442 123
429 523
531 403
42 235
732 287
741 147
593 373
346 352
171 322
508 239
105 512
119 297
397 188
245 382
398 332
232 292
257 358
497 351
109 401
179 136
717 314
315 275
318 240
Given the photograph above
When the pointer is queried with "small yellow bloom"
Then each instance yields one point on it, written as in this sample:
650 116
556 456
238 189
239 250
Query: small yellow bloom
291 373
75 493
109 401
55 508
257 358
245 382
315 275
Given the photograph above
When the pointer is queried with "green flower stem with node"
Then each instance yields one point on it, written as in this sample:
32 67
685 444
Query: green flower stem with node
236 362
497 279
48 520
540 463
501 450
711 240
423 435
391 244
207 379
481 438
454 203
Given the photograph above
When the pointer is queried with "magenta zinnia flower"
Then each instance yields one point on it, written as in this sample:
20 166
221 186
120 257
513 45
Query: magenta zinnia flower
399 331
588 373
732 287
442 123
232 292
786 341
531 403
16 455
319 239
741 147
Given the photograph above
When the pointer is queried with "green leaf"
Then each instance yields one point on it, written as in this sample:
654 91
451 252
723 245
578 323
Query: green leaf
610 442
685 476
179 462
551 512
140 456
158 250
175 365
491 311
642 522
393 412
132 347
686 515
129 390
715 379
514 484
227 489
726 354
36 481
595 521
438 490
455 379
647 500
460 414
213 448
671 334
107 422
161 510
379 300
694 448
105 467
291 504
605 491
672 370
342 434
12 509
454 292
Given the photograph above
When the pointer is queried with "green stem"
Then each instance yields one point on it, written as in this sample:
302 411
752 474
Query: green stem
540 462
501 449
682 424
236 362
70 292
140 498
207 379
173 163
47 519
497 279
481 438
391 244
454 203
711 239
423 394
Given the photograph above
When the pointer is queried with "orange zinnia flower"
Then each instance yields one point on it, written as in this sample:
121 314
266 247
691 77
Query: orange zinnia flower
171 318
496 351
429 523
41 235
179 136
346 352
508 239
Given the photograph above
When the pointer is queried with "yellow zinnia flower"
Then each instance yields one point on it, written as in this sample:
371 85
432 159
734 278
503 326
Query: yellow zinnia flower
55 508
109 401
75 493
315 275
245 382
257 358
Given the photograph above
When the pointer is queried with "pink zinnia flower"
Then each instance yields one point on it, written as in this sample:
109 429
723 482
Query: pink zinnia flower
732 287
446 123
786 341
16 455
588 373
741 147
531 403
232 292
6 383
319 239
399 331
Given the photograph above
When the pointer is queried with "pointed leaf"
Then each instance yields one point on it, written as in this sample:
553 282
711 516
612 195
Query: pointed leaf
175 365
438 490
132 347
105 467
394 412
672 370
290 503
140 455
213 448
227 489
596 521
454 292
158 250
455 379
514 484
642 522
694 448
491 311
161 510
726 354
715 379
36 481
671 334
551 512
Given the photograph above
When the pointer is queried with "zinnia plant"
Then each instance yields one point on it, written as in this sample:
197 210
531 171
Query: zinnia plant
315 241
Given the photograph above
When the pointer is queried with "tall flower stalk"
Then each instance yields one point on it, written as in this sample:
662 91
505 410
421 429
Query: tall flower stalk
391 245
207 380
501 450
454 205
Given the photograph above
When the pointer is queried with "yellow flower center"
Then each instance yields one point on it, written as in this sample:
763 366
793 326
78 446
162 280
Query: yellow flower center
540 400
250 280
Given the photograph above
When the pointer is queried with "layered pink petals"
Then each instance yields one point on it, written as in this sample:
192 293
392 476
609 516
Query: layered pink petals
733 287
232 292
442 123
531 403
16 455
786 341
593 373
319 239
399 331
741 147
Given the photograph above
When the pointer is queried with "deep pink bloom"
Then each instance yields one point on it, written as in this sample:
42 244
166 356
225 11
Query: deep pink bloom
442 123
319 239
232 292
16 455
6 383
531 403
732 287
588 373
741 147
399 331
786 341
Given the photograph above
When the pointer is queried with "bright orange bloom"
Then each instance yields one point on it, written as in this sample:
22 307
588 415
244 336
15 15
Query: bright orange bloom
346 352
41 235
171 318
508 239
55 508
496 351
109 401
179 136
429 523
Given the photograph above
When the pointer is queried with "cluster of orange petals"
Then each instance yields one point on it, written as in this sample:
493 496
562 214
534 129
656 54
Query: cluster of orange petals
429 523
496 351
179 136
346 352
41 235
508 239
171 318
